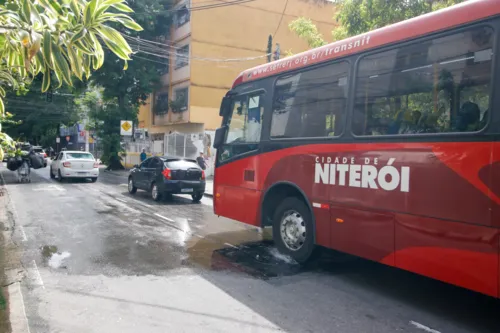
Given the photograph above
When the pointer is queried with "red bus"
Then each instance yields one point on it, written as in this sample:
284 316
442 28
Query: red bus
384 146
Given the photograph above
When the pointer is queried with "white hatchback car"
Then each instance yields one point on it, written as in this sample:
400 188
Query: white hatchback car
74 164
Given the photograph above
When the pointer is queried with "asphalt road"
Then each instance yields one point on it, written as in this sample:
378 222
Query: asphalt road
89 257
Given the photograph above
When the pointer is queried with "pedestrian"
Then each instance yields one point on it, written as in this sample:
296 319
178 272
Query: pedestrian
143 155
201 161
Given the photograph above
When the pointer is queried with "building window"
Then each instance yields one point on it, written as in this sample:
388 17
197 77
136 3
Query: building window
311 103
182 16
180 104
435 86
161 105
182 57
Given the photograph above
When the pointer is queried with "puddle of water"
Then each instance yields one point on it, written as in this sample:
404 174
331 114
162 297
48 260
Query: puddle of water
48 250
52 257
256 259
280 256
57 259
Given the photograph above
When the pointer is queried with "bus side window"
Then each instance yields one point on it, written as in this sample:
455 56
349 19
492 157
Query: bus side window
311 104
436 86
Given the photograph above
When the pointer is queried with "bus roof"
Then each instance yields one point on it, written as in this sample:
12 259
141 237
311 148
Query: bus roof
466 12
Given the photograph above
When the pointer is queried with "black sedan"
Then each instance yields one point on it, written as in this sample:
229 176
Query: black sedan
164 176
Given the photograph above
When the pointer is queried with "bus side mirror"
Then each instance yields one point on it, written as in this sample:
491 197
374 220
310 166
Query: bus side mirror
220 135
225 107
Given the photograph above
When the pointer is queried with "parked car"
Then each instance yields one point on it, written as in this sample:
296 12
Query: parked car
164 176
74 164
39 150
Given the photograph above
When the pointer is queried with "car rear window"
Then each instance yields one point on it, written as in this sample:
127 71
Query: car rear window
38 150
181 164
80 156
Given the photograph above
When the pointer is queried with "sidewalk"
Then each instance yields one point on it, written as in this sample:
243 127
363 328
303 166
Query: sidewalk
209 187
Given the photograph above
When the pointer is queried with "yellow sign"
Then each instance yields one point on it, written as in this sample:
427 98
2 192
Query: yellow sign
126 126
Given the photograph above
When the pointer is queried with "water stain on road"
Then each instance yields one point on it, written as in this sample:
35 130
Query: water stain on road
52 258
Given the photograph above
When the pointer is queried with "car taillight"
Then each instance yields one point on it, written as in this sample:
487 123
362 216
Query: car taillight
167 173
67 164
96 165
44 155
202 174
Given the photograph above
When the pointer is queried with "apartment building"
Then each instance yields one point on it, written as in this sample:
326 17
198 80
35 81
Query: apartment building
210 46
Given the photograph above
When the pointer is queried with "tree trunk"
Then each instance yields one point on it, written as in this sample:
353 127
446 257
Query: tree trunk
115 164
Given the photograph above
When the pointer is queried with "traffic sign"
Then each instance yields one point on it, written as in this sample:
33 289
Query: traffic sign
126 127
58 139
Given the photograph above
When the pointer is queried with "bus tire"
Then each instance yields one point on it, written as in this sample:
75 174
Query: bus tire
293 229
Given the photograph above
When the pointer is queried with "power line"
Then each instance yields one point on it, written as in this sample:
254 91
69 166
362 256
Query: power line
149 47
281 19
197 8
144 58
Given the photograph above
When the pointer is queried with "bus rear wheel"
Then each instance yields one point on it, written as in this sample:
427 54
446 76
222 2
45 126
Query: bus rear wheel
293 230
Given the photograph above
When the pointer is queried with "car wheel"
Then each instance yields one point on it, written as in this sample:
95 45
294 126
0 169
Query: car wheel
197 196
155 192
59 176
94 179
52 176
131 188
293 230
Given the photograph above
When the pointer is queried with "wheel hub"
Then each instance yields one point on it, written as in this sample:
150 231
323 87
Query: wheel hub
154 192
130 185
293 230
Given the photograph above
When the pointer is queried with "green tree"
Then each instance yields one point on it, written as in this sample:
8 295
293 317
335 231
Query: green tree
305 29
129 89
104 115
359 16
58 38
36 118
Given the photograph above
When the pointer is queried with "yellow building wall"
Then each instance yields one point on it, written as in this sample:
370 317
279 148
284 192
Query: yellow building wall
182 128
144 115
242 31
236 31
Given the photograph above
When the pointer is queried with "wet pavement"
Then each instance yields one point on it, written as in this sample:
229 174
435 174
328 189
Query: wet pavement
89 257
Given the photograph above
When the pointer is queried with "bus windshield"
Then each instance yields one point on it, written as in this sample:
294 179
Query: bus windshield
244 121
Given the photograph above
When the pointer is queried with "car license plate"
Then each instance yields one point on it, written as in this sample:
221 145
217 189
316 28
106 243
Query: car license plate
82 173
187 190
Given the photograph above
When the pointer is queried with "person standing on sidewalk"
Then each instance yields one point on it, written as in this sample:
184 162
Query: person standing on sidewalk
143 155
201 161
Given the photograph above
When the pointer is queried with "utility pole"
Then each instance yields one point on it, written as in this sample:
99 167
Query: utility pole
269 48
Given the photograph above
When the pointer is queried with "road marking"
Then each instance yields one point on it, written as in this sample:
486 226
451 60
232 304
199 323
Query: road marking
39 277
231 245
423 327
23 234
49 188
165 218
125 201
18 317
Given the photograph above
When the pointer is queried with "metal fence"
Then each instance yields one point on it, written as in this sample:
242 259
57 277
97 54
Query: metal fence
183 145
138 146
